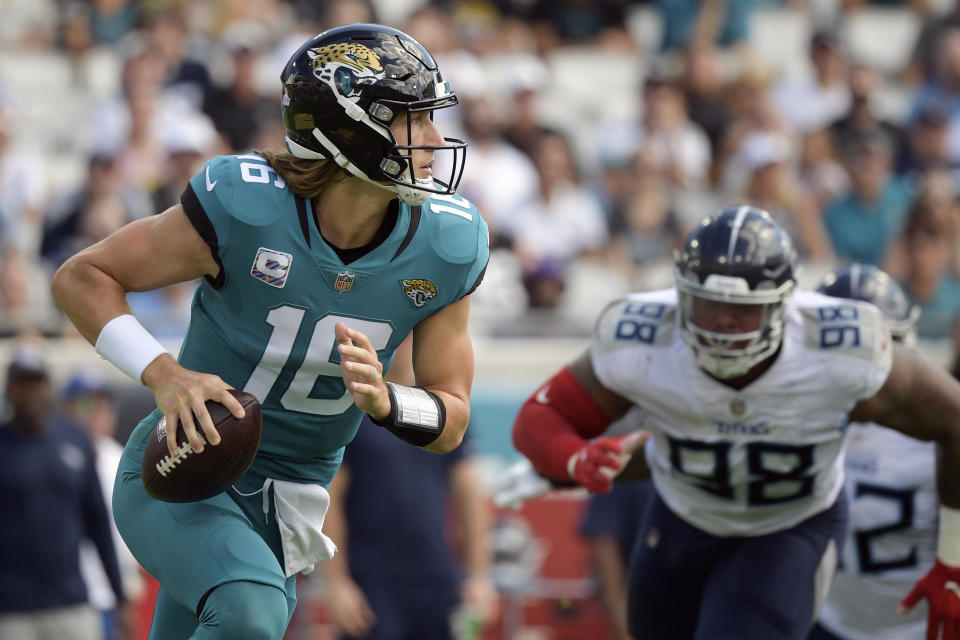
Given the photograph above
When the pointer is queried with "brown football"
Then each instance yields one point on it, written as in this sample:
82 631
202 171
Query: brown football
191 476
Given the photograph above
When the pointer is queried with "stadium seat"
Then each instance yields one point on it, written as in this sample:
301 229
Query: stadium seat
780 37
884 37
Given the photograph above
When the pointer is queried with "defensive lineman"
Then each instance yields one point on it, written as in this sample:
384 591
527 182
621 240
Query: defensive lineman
748 388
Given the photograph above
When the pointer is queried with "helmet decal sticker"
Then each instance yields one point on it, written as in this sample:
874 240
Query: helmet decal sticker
345 66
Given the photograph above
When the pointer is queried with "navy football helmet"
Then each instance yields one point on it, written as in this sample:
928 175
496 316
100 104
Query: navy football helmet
739 256
344 87
867 282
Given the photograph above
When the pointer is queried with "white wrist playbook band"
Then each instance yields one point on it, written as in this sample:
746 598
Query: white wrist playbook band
128 346
417 415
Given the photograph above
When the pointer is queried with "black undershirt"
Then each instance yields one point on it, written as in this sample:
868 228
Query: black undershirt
386 227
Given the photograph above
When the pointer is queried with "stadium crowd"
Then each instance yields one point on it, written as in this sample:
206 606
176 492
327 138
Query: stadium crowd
600 132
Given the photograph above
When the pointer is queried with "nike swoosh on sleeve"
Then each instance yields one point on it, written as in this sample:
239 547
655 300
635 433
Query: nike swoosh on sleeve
210 185
542 395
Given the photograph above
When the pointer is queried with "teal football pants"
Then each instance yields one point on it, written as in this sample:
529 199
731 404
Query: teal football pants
216 560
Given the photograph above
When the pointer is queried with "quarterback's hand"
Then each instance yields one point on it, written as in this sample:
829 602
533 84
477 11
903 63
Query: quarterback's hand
181 395
596 464
362 372
941 588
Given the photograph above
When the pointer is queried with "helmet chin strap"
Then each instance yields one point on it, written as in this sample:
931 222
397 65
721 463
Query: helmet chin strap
409 195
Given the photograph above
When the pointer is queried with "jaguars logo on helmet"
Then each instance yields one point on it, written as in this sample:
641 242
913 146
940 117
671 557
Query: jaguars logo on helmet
353 54
346 66
418 290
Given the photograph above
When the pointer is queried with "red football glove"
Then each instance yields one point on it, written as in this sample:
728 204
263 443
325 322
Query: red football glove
597 464
941 588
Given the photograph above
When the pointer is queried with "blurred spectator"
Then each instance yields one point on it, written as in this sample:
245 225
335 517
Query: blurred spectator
52 499
109 125
928 244
94 68
22 188
401 571
592 23
88 402
187 142
754 111
130 127
943 86
611 522
926 143
674 145
102 205
166 40
565 221
499 179
524 125
704 88
112 19
671 147
817 102
725 22
863 222
27 24
436 31
238 110
922 65
644 227
142 158
545 281
864 84
820 173
772 186
25 300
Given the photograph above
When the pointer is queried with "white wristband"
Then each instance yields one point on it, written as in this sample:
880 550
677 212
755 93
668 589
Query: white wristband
948 541
127 345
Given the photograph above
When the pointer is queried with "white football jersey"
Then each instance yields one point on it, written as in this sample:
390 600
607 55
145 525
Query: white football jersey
756 460
892 539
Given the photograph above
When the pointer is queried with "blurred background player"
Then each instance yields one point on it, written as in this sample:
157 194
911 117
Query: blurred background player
88 402
413 532
892 535
611 522
406 566
52 501
747 515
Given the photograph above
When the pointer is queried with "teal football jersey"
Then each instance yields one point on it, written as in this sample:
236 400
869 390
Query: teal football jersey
265 325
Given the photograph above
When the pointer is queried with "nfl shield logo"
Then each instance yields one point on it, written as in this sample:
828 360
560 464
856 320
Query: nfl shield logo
344 282
738 407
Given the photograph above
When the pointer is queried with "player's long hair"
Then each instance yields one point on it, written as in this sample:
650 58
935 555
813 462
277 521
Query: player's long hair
307 178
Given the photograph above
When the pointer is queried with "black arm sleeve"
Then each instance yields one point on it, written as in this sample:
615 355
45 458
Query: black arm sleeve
198 218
